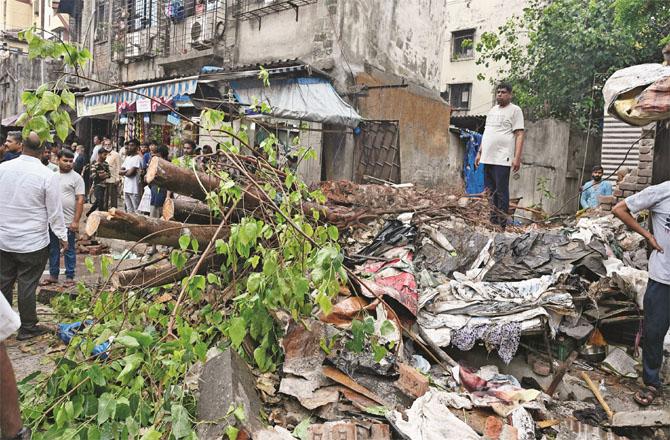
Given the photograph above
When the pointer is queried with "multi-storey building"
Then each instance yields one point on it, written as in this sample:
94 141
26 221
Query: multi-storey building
383 57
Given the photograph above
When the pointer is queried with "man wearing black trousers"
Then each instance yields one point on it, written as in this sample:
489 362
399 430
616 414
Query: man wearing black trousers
500 152
655 199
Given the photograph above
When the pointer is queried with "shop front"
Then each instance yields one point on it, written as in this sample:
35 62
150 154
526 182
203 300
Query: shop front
159 112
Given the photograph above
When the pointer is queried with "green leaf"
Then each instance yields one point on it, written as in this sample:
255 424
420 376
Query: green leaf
131 363
181 425
127 341
301 430
152 434
254 282
379 352
144 339
376 410
237 331
232 432
387 328
93 433
184 241
90 265
106 408
194 245
333 233
68 98
239 413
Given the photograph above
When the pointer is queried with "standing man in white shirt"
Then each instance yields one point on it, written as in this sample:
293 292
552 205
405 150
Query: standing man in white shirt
131 170
97 145
500 152
114 162
73 191
31 205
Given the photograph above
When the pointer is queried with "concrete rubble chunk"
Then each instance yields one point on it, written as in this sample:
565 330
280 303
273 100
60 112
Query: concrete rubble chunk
642 418
226 380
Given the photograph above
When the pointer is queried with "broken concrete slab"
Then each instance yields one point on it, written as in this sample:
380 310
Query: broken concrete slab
226 381
641 418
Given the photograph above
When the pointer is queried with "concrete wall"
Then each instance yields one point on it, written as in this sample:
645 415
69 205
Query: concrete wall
341 36
17 74
553 151
483 16
424 130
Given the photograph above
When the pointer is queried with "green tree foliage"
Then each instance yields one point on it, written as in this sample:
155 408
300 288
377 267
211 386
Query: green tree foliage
558 54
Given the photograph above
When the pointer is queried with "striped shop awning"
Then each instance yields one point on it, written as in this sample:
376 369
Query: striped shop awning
161 89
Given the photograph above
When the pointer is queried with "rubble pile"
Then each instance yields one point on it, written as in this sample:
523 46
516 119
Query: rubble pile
447 328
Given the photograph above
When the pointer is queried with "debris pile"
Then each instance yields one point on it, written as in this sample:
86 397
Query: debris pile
430 284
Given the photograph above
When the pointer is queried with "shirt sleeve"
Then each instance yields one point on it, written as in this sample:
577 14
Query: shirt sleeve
55 208
646 199
517 119
80 187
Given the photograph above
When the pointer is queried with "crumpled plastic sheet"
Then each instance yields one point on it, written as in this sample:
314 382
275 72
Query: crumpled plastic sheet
504 337
429 418
394 278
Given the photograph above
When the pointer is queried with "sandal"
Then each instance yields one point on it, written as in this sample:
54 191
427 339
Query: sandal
69 283
48 282
646 396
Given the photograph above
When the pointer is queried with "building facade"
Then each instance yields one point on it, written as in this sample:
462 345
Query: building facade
461 82
383 57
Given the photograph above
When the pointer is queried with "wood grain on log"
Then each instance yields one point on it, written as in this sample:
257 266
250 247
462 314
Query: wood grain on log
135 227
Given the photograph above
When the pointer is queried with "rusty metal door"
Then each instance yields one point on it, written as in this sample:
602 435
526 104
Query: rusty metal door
378 152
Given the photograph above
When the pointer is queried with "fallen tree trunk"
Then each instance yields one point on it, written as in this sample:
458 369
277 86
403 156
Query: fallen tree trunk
134 227
158 275
188 210
197 184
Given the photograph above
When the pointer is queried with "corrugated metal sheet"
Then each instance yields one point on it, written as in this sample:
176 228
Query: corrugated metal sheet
617 139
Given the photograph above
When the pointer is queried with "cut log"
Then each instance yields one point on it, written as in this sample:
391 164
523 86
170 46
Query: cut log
180 180
157 275
188 210
134 227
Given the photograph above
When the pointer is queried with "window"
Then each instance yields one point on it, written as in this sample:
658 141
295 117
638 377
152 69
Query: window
143 14
101 21
458 96
462 44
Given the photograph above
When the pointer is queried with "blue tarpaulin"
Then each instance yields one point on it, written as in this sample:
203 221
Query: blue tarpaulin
474 178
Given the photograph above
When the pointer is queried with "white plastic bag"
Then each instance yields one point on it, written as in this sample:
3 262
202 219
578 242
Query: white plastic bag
9 320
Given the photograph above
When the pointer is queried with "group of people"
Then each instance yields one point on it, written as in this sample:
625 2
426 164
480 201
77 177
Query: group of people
45 188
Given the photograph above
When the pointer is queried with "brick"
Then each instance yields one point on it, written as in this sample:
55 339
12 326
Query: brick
647 143
332 431
617 193
646 157
627 186
645 149
380 431
605 200
641 186
606 207
644 173
493 428
644 165
643 180
411 381
628 193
